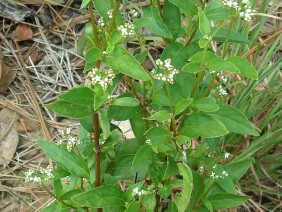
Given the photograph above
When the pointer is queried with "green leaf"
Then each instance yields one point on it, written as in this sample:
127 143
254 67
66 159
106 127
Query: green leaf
207 104
181 139
154 23
182 105
172 18
99 98
154 174
104 196
215 12
102 7
158 135
246 68
142 156
186 6
149 202
87 123
234 37
141 56
120 59
56 206
234 120
93 54
198 57
105 124
222 65
126 102
120 113
80 95
204 23
71 110
160 116
88 66
204 125
138 126
203 42
183 200
178 53
221 36
222 201
65 159
237 169
122 163
171 169
84 3
193 67
71 193
133 207
227 184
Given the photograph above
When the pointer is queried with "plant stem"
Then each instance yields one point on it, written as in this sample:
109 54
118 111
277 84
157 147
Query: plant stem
192 35
225 47
159 7
93 23
96 149
210 85
173 124
97 152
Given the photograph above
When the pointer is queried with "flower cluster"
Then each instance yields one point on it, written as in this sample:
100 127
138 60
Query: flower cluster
110 13
244 9
165 65
138 192
232 4
222 91
208 37
103 78
126 30
67 139
44 174
217 175
148 141
30 176
224 79
101 22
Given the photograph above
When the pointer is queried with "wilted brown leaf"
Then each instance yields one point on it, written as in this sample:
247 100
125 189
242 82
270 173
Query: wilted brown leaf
23 32
7 75
23 126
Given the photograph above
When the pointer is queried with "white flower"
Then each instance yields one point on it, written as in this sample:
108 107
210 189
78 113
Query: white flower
212 175
201 169
244 10
224 79
135 191
224 173
126 30
101 22
208 37
110 13
226 155
101 77
169 70
222 91
159 62
148 141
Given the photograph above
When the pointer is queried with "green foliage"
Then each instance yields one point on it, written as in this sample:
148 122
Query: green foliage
120 59
175 104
